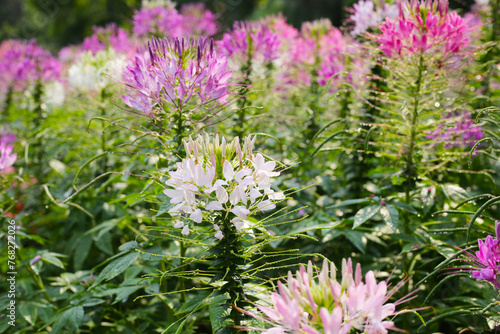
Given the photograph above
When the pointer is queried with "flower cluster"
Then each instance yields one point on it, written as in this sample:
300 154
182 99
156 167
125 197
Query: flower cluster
111 37
222 177
424 27
462 131
7 157
250 41
365 15
329 306
321 52
158 20
171 72
25 62
95 72
487 259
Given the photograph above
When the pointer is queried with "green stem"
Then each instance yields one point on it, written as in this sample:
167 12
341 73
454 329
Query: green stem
104 160
410 170
492 51
182 281
38 145
8 102
242 104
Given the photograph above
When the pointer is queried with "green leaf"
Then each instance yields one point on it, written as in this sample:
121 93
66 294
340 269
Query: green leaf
52 259
193 303
357 238
404 206
116 267
366 213
81 251
29 312
218 313
350 202
128 246
390 215
73 315
103 242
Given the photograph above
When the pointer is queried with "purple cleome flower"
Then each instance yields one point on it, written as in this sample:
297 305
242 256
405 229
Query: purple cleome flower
462 133
110 36
171 72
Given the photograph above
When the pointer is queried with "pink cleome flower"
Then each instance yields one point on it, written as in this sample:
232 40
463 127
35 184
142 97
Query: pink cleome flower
7 158
325 305
424 27
110 36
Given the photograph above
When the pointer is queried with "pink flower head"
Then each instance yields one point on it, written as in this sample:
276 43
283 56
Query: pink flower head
172 72
250 40
110 36
322 304
25 62
7 158
198 21
424 27
158 21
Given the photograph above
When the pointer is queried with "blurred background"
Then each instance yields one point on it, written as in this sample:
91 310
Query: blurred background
58 23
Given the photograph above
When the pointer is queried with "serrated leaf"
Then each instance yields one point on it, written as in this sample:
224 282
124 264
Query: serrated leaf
116 267
390 215
366 213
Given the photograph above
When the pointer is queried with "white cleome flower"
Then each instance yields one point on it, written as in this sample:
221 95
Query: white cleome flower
217 178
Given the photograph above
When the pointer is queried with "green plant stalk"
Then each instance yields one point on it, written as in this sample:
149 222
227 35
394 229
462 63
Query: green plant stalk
242 104
104 160
38 145
8 102
410 167
229 265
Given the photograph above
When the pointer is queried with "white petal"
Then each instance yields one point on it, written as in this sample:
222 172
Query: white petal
179 224
196 216
214 205
221 194
228 170
241 211
219 235
185 230
266 205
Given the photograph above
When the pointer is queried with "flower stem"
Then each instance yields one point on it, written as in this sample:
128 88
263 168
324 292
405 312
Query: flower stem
410 169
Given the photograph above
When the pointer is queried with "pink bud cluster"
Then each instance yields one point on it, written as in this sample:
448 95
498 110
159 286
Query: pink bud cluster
7 157
217 176
250 41
423 28
171 72
329 306
193 19
25 62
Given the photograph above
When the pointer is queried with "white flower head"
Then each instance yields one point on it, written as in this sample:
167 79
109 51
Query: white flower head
218 177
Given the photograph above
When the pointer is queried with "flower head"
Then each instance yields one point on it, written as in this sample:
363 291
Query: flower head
459 130
324 304
109 37
424 27
173 72
198 21
366 16
158 21
25 62
217 176
250 41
